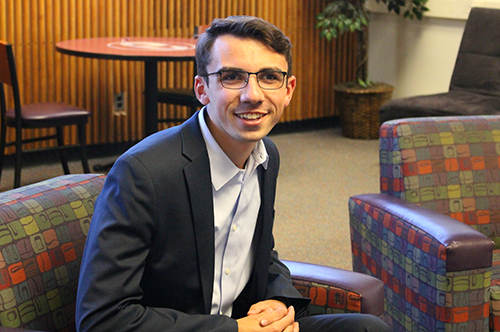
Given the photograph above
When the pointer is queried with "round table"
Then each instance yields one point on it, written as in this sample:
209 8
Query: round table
151 50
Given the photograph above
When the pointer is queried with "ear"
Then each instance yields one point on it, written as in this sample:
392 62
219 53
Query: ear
200 89
290 87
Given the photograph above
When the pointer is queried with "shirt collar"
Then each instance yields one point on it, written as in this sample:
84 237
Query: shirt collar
221 167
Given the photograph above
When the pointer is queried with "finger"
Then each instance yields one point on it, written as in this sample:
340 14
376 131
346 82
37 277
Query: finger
263 305
272 316
277 315
292 328
257 308
288 324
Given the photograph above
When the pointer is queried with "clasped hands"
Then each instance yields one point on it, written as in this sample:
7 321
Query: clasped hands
269 316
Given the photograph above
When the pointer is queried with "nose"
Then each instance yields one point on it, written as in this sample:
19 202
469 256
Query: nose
252 93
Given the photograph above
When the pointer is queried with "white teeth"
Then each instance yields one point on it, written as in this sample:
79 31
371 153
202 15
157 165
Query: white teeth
250 116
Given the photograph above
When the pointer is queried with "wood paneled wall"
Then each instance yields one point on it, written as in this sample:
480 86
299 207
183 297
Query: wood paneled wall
35 26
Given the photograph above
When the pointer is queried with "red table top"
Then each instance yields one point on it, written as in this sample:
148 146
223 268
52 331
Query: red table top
130 48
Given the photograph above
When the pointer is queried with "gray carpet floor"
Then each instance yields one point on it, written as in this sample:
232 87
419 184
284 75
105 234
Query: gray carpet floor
319 171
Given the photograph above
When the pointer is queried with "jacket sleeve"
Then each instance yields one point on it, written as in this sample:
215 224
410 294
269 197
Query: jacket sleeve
280 286
118 244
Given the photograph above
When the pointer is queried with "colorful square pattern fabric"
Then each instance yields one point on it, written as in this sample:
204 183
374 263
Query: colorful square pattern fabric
450 165
326 299
420 294
43 228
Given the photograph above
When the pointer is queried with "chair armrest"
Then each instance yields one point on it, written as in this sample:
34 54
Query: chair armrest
429 263
335 290
465 248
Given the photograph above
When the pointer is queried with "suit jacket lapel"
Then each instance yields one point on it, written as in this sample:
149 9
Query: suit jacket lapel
263 233
199 183
266 218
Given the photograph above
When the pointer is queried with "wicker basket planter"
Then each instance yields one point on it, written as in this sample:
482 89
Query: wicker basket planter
359 108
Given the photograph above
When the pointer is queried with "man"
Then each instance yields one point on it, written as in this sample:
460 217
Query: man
181 238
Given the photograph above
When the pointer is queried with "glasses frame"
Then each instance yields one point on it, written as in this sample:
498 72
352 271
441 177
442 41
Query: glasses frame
220 72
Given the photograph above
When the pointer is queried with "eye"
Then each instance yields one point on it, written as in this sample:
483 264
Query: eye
233 76
270 76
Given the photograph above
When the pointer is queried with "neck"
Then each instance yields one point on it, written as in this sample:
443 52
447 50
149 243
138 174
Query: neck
238 156
237 151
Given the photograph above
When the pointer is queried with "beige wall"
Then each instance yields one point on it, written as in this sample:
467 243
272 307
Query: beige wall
418 57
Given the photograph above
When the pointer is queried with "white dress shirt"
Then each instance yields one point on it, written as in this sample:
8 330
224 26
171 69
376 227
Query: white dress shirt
236 195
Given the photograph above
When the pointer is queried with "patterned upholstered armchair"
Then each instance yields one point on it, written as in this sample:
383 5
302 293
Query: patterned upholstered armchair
432 235
43 228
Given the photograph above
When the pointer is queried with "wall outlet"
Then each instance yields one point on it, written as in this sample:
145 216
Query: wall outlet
120 103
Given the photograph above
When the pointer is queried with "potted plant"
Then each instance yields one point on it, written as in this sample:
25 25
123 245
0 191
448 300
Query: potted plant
358 102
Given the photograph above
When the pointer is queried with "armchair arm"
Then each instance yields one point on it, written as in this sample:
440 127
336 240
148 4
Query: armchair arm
335 290
436 270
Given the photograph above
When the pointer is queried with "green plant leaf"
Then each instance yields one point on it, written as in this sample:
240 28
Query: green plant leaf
362 83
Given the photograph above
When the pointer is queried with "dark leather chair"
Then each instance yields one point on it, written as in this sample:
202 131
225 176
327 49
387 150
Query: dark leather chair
38 115
181 96
475 83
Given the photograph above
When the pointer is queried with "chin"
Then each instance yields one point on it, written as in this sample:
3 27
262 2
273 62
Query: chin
254 137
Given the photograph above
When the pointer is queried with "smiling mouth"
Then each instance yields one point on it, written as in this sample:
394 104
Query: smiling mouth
250 116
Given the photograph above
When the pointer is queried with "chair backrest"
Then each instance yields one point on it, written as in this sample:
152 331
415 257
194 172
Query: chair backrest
8 75
478 61
43 228
5 63
447 164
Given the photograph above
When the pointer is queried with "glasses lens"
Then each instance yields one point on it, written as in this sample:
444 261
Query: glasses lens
233 79
238 79
270 79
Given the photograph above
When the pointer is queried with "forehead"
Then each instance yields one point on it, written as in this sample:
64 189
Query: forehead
244 53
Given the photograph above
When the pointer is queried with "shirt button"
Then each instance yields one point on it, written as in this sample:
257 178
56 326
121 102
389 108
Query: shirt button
234 228
228 271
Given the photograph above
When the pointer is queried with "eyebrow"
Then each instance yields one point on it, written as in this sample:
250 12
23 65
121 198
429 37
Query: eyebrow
239 69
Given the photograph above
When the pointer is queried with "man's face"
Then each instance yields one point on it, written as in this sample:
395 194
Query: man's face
246 115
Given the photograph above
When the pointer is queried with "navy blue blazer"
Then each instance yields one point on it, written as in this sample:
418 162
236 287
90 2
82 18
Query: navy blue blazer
148 263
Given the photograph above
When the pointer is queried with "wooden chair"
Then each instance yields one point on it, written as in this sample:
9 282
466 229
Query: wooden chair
36 115
181 96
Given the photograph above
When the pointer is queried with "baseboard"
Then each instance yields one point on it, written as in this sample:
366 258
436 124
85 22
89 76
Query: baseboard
305 125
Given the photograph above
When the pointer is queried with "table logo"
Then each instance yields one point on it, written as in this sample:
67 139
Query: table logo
126 44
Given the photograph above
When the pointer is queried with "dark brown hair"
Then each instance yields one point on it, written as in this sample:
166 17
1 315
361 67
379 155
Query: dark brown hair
245 27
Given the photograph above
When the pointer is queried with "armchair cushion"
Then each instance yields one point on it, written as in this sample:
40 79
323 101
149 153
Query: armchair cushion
454 102
446 164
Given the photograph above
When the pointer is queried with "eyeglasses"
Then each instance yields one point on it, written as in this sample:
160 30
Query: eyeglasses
238 79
